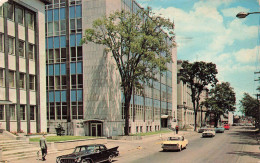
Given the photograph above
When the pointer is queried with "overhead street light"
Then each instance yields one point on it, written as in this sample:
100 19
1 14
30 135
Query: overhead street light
245 14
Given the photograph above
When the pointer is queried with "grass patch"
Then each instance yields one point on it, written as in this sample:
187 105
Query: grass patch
61 138
151 133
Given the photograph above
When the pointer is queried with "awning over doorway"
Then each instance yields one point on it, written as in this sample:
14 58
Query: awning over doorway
166 116
88 120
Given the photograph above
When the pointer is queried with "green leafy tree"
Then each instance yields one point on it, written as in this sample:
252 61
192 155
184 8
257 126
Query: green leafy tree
250 106
222 99
136 42
198 75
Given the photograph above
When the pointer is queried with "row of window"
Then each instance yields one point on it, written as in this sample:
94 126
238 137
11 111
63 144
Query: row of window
21 14
21 47
12 81
60 83
58 110
61 3
59 55
13 112
60 42
60 96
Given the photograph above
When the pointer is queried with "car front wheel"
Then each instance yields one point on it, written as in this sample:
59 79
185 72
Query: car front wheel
85 161
110 159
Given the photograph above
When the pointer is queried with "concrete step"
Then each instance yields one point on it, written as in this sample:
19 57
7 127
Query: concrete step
20 156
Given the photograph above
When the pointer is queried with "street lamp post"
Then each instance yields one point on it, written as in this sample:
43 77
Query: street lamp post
243 15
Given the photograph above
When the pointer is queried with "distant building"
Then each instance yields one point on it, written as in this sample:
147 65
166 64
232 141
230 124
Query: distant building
230 118
185 109
83 84
22 66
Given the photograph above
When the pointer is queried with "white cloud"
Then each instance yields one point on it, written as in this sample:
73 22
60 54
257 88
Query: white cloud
246 55
232 12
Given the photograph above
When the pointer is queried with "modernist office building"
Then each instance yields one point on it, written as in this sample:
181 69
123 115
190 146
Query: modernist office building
22 66
83 84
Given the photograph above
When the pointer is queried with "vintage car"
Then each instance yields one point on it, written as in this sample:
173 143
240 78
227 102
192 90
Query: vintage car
209 133
200 130
219 129
226 126
175 143
92 153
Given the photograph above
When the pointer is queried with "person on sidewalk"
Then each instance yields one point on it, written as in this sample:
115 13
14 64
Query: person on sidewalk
176 129
43 145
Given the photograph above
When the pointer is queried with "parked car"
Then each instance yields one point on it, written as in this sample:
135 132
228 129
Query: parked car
209 133
89 154
219 129
175 143
200 130
226 126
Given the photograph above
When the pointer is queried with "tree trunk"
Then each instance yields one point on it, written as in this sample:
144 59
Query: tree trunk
195 121
216 121
127 95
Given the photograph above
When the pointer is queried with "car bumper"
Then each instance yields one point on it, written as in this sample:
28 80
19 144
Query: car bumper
171 148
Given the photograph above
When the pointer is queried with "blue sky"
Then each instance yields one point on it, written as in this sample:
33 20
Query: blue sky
208 30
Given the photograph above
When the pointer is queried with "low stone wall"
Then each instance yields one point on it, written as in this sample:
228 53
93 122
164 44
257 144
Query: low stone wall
130 138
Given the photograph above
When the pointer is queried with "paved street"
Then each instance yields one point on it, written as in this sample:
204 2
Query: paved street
234 146
237 145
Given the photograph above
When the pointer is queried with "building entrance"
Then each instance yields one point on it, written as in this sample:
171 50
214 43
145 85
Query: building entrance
96 129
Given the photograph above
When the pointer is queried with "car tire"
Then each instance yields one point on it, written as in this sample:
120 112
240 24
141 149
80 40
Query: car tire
110 159
180 149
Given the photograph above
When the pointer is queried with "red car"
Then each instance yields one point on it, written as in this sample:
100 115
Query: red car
226 126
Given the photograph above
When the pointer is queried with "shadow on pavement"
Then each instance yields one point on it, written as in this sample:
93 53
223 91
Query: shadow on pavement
241 153
245 143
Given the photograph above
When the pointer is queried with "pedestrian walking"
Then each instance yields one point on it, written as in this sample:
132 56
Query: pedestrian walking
176 129
43 145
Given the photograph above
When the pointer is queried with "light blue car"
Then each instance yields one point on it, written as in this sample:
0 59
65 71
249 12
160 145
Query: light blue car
219 129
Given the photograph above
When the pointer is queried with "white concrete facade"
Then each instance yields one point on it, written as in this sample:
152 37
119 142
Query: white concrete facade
35 37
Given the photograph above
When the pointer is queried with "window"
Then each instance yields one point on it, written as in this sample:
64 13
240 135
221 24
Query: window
1 77
10 13
51 58
64 110
30 20
73 54
58 110
80 81
50 28
19 14
22 112
32 112
21 81
11 79
63 82
63 27
57 55
31 51
31 82
56 28
21 48
1 42
57 82
12 112
63 54
2 112
79 56
52 112
11 45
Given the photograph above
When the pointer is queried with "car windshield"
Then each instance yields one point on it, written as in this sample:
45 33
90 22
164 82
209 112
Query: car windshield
84 149
174 138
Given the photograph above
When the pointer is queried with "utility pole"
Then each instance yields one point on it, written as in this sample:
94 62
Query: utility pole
257 97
